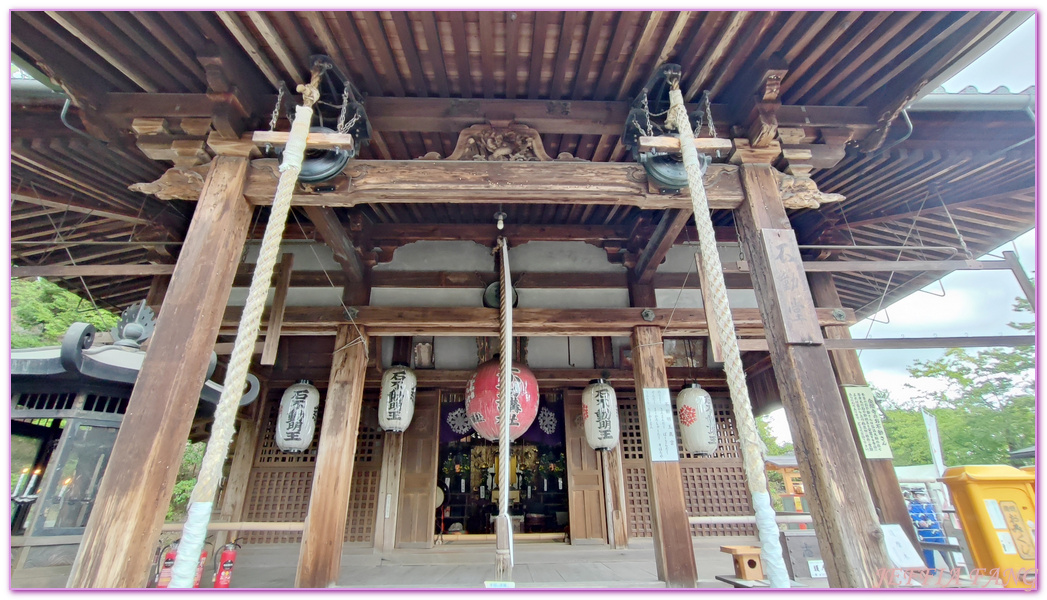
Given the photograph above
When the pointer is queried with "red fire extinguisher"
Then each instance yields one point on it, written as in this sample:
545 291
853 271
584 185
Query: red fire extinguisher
223 572
163 578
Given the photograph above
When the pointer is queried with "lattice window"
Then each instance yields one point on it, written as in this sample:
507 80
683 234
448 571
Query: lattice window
280 495
56 401
363 504
712 485
106 404
629 421
637 501
716 490
281 482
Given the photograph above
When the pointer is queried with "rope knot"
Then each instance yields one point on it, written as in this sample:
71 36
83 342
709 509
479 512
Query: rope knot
310 95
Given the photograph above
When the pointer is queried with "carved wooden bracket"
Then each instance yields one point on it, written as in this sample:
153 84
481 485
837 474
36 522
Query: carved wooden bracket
803 192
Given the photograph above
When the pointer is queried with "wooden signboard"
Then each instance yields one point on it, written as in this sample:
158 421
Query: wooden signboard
867 421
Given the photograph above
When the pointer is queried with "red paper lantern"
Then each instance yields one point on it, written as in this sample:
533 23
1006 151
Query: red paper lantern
481 400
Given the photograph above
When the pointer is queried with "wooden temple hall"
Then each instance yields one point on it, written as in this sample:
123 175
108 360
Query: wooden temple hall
445 153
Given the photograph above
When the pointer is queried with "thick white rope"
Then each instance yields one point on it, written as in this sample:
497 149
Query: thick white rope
200 502
503 556
712 269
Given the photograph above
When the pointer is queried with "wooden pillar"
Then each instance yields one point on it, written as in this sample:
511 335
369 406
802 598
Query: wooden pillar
612 471
154 299
673 550
120 538
389 491
849 535
321 553
240 471
879 472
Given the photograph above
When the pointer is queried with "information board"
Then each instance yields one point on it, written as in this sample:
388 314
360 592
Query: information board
867 421
660 430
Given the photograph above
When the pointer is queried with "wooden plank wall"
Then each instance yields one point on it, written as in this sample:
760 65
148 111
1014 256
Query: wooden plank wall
416 513
584 482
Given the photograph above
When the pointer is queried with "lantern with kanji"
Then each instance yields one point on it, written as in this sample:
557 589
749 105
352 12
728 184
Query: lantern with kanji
396 405
697 420
600 415
482 405
297 420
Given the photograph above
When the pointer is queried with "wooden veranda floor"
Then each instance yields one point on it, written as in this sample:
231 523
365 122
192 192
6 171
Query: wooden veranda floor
466 565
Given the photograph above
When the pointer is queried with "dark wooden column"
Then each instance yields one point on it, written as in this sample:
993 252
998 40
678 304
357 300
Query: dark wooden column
120 538
673 550
849 534
320 559
879 472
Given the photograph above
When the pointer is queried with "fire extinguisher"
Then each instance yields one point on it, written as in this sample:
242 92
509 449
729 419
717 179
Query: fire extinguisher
223 570
170 553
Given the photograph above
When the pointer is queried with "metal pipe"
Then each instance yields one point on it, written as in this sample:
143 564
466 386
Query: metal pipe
65 113
970 102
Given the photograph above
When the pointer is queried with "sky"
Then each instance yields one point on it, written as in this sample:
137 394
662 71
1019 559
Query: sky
966 303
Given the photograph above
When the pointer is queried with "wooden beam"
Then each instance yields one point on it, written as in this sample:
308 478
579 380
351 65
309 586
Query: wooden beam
906 213
848 532
320 559
668 143
468 182
76 205
673 550
131 72
246 40
551 378
91 270
132 500
276 310
976 341
660 242
879 472
314 139
547 322
335 235
234 496
451 115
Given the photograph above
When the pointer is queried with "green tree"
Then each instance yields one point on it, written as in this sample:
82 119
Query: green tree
983 401
186 481
41 313
775 481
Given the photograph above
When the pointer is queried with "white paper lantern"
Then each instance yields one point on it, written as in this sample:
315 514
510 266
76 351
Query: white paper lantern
297 421
396 405
697 420
600 415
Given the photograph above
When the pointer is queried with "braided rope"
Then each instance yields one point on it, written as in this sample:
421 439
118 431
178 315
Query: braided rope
200 502
749 438
503 558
